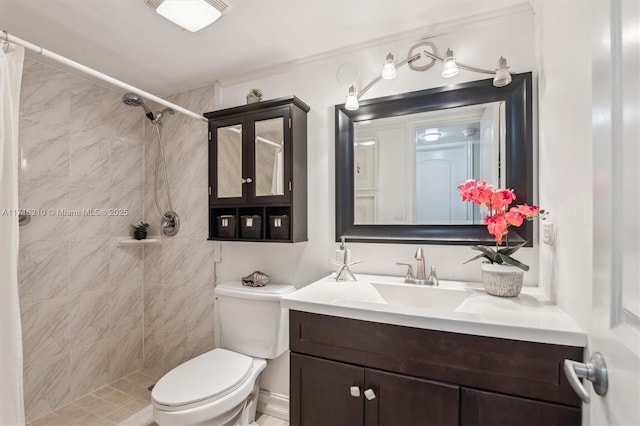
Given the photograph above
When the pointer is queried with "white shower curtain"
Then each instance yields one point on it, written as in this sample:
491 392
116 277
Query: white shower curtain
11 394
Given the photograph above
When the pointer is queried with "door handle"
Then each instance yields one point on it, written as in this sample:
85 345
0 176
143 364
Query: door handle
369 394
595 371
355 391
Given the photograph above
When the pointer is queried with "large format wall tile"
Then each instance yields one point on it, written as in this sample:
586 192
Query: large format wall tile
45 329
45 95
89 266
43 270
89 318
126 309
126 353
47 385
125 266
90 368
90 155
44 150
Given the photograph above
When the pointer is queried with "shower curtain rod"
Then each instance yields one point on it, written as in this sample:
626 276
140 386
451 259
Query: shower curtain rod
5 36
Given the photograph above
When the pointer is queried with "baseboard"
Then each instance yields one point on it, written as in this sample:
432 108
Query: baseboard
274 405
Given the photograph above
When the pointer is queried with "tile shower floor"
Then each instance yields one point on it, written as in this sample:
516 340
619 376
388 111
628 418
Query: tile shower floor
124 402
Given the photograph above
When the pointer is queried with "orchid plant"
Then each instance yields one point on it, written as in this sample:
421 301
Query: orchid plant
498 219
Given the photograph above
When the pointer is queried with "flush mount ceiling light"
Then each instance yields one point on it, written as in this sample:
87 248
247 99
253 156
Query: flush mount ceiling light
192 15
427 49
431 136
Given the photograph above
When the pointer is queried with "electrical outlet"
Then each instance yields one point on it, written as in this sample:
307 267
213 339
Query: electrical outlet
547 233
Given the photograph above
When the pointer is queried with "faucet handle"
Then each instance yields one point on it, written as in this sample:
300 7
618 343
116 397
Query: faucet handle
409 274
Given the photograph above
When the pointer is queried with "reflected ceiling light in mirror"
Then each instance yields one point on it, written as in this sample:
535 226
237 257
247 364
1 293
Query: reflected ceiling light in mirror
389 69
367 143
431 136
450 68
427 49
503 77
352 99
192 15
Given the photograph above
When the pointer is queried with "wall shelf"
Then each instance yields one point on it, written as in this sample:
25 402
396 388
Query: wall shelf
128 241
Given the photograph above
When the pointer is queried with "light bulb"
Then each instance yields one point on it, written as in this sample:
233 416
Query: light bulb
450 68
389 69
503 76
352 99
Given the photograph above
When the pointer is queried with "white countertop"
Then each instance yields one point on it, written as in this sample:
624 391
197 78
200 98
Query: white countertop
529 317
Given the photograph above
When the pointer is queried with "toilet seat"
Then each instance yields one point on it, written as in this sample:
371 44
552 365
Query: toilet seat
202 380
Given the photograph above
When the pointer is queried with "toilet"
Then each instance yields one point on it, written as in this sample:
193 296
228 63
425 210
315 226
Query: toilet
220 387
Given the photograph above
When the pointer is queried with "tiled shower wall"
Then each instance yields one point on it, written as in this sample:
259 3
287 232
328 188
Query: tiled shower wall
80 294
179 274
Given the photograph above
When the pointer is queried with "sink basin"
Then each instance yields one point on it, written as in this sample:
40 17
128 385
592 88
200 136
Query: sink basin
420 296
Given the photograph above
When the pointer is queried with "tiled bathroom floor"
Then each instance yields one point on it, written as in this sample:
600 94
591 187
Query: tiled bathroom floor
122 403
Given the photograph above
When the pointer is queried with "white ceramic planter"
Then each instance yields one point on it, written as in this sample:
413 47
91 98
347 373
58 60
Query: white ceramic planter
502 280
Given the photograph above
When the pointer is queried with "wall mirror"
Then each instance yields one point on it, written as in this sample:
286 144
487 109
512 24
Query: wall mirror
400 158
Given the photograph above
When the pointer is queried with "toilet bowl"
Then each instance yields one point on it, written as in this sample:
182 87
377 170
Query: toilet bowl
220 387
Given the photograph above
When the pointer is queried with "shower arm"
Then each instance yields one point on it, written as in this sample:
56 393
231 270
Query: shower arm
5 36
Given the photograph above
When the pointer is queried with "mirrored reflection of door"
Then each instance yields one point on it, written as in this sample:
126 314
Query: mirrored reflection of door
229 145
269 157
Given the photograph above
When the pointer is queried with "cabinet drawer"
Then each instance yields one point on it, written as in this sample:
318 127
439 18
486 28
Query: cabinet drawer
479 408
532 370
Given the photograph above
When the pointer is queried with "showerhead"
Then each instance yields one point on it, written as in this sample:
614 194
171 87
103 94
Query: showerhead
134 100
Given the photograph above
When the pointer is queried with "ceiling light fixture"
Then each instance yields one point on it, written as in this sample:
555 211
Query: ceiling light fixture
192 15
427 49
431 136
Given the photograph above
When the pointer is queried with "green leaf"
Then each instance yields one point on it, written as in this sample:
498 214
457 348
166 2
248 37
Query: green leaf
508 251
480 256
488 253
511 261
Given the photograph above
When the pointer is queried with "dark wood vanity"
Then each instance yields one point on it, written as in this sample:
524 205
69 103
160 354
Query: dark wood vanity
351 372
258 172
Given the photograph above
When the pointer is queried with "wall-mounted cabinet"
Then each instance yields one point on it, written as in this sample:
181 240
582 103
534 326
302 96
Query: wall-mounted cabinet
258 172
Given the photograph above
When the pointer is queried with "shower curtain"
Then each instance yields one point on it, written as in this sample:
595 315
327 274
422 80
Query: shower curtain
11 395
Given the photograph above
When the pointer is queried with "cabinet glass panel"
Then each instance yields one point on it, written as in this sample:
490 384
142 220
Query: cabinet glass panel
269 157
229 161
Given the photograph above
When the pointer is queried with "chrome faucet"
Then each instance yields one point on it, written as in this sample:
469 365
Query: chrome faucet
421 274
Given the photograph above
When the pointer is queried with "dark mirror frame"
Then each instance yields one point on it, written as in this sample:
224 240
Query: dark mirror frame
519 159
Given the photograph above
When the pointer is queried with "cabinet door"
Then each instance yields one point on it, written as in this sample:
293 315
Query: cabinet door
269 146
409 401
320 392
479 408
227 166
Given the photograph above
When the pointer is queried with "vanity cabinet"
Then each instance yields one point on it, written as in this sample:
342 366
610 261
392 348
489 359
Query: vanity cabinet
339 394
423 377
258 172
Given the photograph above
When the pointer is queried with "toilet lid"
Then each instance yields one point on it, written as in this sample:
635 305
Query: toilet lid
204 378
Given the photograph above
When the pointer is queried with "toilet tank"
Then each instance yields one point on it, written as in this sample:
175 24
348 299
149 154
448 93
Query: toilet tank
251 319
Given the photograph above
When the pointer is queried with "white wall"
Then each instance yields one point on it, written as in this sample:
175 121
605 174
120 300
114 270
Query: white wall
316 83
565 152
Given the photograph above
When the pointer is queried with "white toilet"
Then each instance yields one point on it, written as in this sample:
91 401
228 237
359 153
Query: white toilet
220 387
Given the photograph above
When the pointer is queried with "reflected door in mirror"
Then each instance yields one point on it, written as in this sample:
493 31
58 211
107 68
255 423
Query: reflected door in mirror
229 161
407 168
269 157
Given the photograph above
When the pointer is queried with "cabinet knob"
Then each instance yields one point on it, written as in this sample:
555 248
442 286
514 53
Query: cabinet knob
247 180
369 394
355 391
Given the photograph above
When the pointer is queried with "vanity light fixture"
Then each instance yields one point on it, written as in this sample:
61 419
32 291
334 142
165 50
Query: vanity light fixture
192 15
426 49
352 99
389 69
503 77
450 68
